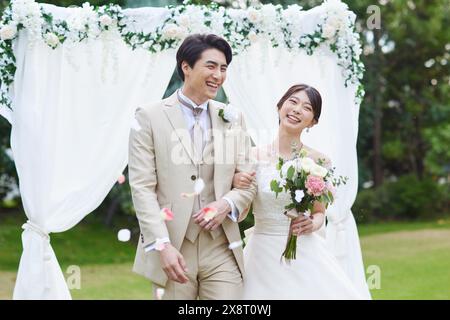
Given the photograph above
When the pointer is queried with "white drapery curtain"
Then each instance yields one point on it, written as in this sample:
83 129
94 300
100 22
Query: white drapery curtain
72 115
257 79
73 108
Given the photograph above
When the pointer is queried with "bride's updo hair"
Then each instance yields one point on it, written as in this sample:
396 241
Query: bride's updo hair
312 93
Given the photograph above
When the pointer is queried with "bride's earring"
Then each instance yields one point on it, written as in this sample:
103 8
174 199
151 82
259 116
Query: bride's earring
307 130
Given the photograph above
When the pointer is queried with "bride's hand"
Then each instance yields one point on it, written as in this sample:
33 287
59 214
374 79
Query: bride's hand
243 180
302 225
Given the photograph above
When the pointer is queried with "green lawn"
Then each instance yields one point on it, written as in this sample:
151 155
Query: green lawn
414 259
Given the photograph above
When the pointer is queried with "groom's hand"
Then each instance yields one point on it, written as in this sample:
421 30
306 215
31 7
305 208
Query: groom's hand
222 207
173 264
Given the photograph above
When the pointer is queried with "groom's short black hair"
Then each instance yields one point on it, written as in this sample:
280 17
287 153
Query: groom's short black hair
192 47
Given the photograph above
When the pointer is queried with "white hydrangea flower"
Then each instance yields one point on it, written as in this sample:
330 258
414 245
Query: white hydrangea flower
291 13
217 22
28 13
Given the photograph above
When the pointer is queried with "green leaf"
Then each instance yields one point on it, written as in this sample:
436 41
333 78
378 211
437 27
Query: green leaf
275 187
290 172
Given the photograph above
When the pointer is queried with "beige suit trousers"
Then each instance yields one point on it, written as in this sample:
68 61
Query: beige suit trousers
212 271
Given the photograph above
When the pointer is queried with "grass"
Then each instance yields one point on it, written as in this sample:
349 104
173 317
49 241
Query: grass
413 264
413 257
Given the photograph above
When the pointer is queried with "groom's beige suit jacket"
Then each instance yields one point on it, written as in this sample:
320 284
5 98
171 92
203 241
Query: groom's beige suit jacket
161 168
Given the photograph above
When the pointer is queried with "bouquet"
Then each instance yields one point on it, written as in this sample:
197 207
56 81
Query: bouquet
307 182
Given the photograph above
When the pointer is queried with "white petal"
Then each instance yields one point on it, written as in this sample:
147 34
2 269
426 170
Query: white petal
235 244
159 293
199 186
124 235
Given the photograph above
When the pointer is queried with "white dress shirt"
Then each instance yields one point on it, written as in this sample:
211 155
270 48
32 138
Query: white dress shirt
206 125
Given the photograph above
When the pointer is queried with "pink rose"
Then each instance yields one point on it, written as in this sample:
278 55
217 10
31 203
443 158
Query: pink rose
315 185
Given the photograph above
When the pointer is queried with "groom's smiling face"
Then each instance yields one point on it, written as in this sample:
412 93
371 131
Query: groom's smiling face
204 79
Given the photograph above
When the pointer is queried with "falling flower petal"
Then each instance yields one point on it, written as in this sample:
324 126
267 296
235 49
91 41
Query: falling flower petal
188 195
160 245
124 235
159 293
235 244
121 179
199 186
209 213
166 214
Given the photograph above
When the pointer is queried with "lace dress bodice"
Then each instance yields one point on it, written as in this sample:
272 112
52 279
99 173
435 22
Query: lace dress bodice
267 209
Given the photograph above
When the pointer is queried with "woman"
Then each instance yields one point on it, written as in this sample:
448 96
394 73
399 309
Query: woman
315 274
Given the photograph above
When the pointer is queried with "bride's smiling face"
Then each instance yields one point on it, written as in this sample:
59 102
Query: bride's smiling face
297 113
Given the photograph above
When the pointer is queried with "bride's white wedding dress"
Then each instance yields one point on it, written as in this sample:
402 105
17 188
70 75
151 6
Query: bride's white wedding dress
315 274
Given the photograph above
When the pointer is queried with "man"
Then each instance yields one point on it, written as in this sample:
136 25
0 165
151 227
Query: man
184 142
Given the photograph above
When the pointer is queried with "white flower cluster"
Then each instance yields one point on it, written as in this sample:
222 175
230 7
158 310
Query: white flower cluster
338 28
27 13
241 28
82 23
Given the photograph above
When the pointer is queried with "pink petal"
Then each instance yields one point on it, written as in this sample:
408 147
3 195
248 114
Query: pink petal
121 179
209 213
188 195
159 245
167 214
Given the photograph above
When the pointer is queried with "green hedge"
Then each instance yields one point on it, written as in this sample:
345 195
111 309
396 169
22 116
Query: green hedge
408 198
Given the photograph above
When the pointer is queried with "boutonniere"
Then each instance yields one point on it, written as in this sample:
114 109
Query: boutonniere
229 114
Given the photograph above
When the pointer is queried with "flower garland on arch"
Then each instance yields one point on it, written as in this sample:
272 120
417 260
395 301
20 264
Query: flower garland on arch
334 32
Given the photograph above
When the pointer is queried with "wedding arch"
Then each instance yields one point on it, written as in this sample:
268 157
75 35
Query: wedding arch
71 79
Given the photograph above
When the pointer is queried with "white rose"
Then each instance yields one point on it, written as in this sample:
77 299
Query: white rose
8 32
319 171
254 15
328 31
105 20
253 37
51 39
170 31
307 164
184 21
